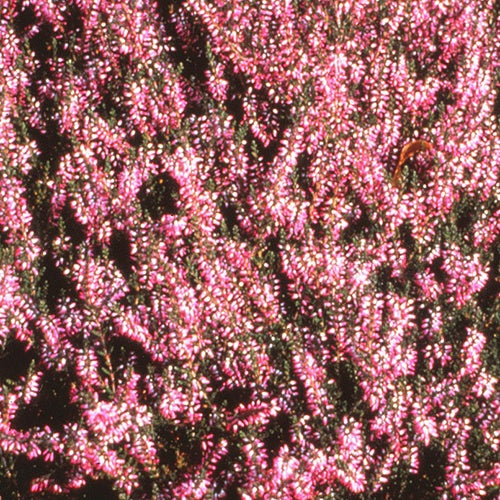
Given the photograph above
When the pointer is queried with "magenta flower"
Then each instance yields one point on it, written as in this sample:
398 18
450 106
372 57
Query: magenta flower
248 249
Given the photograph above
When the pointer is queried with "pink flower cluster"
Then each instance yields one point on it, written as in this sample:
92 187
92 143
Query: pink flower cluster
212 285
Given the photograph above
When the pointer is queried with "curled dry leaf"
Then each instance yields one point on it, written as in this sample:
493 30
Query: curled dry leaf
409 149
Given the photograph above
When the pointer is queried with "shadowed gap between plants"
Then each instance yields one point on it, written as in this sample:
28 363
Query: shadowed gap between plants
419 486
120 253
277 434
71 226
56 285
179 447
124 352
488 296
284 282
50 407
189 52
159 195
95 489
25 470
15 359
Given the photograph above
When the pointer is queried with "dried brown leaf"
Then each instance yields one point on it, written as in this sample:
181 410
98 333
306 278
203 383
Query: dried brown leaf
409 149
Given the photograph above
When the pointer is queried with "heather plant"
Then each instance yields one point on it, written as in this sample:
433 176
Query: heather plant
249 249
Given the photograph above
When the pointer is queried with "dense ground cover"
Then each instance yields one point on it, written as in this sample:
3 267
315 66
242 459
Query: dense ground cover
249 249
